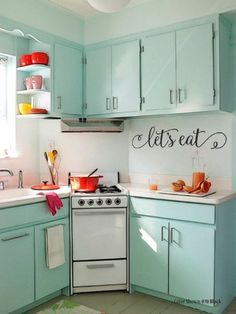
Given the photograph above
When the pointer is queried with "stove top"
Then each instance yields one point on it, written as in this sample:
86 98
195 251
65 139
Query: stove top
103 190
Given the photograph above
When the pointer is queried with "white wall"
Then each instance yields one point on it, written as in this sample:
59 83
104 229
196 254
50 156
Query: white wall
83 152
27 160
177 160
152 14
45 16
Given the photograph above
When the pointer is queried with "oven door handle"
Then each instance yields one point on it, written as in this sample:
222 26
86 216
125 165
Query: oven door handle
97 212
95 266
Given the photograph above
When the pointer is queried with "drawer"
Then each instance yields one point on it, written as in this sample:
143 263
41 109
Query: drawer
98 273
173 210
31 213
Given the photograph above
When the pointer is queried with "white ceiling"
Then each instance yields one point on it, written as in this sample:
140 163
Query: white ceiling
82 8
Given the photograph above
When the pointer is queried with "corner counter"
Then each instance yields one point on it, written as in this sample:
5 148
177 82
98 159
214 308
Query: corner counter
141 190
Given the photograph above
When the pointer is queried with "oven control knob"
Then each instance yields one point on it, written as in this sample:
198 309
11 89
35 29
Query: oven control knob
90 202
117 201
99 202
108 201
81 202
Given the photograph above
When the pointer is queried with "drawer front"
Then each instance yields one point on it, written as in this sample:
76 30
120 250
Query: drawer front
173 210
31 213
99 273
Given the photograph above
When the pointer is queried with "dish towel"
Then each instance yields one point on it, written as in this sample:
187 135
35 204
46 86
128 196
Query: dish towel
53 201
55 251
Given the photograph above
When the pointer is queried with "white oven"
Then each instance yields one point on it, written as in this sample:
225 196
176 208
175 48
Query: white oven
99 242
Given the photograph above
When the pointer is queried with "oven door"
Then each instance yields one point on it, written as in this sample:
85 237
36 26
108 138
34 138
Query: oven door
99 234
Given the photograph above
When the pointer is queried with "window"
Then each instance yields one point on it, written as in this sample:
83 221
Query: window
7 105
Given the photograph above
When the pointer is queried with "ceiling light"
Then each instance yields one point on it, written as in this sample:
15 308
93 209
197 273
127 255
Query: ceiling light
108 6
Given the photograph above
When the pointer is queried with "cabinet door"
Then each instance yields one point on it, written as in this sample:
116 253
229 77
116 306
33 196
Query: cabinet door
191 268
195 75
50 280
158 72
16 269
98 81
149 253
68 71
126 77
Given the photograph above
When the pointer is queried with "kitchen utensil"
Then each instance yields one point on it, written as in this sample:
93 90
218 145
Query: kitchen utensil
24 108
28 82
25 60
37 111
37 81
92 172
85 183
49 167
45 186
39 57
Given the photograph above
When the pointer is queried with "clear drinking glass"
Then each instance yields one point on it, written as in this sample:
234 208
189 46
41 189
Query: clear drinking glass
199 170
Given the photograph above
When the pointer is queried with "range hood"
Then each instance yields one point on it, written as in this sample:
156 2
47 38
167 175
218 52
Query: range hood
91 125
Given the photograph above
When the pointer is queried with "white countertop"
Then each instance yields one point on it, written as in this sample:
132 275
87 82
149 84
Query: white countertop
16 197
141 190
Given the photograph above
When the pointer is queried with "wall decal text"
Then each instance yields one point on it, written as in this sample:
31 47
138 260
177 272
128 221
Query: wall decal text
173 137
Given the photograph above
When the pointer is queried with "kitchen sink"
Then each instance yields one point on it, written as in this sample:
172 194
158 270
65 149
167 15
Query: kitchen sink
15 193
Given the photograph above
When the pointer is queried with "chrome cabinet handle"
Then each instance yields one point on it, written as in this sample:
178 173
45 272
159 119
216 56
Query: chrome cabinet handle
162 233
171 235
171 96
179 95
16 237
59 102
108 103
88 213
95 266
115 103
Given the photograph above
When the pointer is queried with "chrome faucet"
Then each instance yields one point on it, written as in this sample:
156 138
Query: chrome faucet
20 184
2 182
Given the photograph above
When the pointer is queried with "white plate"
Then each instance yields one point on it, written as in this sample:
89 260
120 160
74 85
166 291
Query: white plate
169 191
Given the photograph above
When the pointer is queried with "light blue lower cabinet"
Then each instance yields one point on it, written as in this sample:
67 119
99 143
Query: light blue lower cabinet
16 269
25 279
48 280
191 261
149 252
188 259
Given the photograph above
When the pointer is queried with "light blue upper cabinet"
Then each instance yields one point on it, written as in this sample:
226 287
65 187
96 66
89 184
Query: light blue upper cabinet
125 77
68 73
112 79
195 66
191 263
158 72
98 81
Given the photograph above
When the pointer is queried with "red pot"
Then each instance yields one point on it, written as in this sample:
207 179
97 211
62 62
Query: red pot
39 57
85 184
25 60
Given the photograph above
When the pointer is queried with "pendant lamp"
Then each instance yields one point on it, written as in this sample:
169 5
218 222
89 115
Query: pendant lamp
108 6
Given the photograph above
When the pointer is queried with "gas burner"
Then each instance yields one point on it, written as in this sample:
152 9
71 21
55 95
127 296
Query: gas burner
109 189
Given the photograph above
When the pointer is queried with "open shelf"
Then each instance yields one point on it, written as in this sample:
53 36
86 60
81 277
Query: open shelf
32 91
33 67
